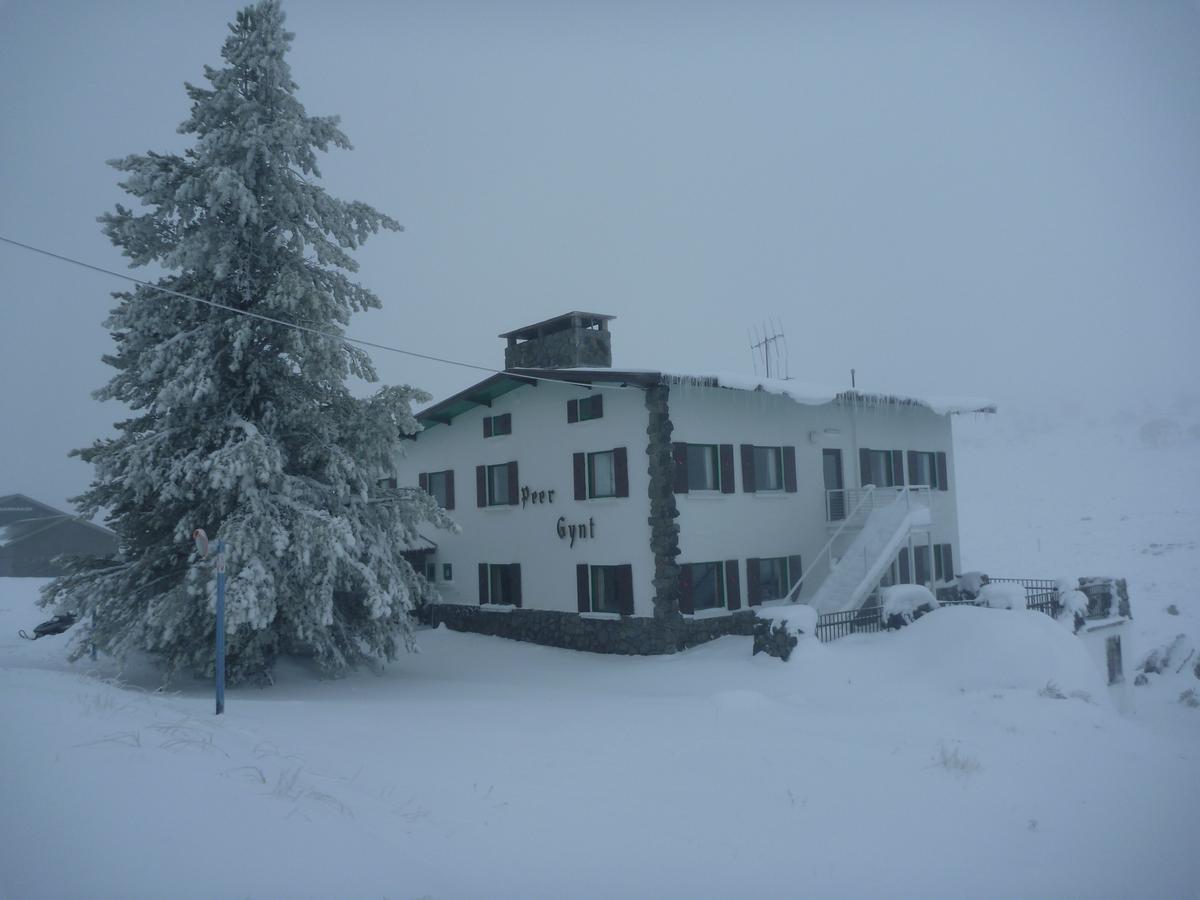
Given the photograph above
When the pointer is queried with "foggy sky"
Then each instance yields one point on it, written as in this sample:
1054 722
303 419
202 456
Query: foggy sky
990 199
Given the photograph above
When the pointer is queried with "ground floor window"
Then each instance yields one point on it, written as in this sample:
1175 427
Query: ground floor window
605 589
709 585
943 563
447 572
771 578
500 584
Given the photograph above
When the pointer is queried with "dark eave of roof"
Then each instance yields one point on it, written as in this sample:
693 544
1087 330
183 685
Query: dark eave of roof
481 394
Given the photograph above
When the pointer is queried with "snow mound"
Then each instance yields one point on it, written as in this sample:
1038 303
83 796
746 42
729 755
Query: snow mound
801 618
1002 596
905 599
977 649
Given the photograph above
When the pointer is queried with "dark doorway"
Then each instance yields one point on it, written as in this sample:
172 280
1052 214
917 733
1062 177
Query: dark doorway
835 495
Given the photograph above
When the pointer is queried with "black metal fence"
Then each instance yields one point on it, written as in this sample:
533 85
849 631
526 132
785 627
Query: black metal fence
1041 594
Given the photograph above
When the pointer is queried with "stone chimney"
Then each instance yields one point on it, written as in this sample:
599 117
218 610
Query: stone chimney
572 340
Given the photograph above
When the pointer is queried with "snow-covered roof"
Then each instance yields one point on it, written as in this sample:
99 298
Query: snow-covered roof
418 544
807 393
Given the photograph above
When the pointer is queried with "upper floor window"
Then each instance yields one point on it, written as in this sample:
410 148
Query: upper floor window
882 468
439 485
703 467
587 408
494 426
496 485
771 578
602 474
928 468
709 585
768 468
605 589
500 584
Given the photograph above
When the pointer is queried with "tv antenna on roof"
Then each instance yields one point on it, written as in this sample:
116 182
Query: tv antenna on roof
769 350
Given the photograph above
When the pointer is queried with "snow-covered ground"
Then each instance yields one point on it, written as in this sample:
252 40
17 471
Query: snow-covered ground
937 761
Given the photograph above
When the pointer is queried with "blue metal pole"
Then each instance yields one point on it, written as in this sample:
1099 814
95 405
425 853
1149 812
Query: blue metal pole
220 627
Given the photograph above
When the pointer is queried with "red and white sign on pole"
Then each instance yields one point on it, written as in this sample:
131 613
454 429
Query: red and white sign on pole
201 539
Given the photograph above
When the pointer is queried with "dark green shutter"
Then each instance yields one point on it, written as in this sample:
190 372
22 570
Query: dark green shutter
583 588
483 583
749 484
679 453
727 485
898 468
913 476
942 473
514 583
481 497
904 566
789 469
864 467
621 471
449 489
514 492
733 588
487 426
572 410
625 589
423 481
794 571
687 603
579 469
753 583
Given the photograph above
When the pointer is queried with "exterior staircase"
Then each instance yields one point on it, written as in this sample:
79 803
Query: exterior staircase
884 518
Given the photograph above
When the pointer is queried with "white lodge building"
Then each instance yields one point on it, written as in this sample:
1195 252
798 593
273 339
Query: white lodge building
644 511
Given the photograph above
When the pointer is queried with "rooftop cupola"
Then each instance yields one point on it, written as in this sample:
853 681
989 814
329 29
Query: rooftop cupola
572 340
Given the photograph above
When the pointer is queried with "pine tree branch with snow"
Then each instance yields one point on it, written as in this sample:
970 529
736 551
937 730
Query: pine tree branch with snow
241 426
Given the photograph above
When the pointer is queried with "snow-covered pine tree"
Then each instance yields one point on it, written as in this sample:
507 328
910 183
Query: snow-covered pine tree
242 426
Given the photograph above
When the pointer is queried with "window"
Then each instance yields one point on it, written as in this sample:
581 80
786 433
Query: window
703 467
500 585
494 426
447 572
605 589
768 468
585 409
771 579
496 485
709 585
882 468
943 563
431 571
928 468
386 484
440 486
601 474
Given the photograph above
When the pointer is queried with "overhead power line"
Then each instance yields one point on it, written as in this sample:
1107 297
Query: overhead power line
330 335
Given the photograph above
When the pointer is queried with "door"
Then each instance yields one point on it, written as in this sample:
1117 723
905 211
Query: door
835 503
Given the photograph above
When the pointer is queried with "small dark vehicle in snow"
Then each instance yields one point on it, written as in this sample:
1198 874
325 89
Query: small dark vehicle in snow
57 625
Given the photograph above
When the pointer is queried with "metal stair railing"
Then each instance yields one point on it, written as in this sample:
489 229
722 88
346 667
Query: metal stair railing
870 495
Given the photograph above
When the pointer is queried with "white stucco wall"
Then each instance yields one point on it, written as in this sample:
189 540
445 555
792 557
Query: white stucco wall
543 443
713 526
746 525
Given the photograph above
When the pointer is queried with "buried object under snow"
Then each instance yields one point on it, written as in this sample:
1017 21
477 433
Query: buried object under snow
57 625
